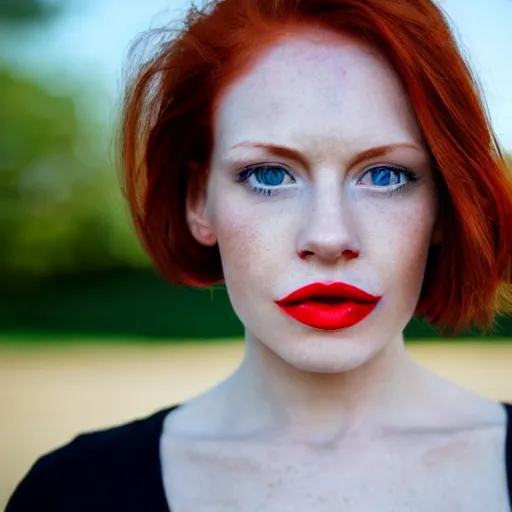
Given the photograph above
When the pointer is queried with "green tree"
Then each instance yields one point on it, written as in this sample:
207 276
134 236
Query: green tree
60 205
25 11
60 208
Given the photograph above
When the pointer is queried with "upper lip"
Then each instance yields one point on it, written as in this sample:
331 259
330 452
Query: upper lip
331 289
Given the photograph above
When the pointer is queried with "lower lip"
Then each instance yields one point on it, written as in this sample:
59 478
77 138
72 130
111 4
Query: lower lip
329 317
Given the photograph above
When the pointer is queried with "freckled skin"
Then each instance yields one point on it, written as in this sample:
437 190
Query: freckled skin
312 419
334 102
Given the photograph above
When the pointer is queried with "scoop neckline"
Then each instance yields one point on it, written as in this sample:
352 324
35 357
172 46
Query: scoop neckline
162 415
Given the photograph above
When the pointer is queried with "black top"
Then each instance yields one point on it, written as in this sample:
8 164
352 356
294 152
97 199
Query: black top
116 469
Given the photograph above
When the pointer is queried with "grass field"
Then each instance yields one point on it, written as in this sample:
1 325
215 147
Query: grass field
50 392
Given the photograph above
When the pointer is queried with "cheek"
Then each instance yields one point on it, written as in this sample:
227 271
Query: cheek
401 239
250 242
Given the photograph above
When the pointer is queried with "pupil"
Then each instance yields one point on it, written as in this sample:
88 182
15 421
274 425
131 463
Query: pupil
382 177
271 177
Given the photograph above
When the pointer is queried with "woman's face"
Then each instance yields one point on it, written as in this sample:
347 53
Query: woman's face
319 174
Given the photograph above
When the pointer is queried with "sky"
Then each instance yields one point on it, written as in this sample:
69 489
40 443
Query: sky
91 40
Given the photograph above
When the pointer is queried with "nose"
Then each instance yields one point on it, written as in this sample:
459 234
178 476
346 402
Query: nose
328 232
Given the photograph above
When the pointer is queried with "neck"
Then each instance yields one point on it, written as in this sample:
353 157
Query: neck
273 398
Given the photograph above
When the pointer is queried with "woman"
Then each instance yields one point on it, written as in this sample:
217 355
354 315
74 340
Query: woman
330 161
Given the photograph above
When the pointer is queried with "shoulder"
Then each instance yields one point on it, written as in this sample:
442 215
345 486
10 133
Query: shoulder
102 467
459 409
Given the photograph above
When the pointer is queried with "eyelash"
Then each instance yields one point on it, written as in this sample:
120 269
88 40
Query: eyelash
412 178
245 174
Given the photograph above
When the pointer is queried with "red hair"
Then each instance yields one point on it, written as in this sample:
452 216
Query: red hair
167 140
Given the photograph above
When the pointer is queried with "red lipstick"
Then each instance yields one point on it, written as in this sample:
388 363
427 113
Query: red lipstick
329 306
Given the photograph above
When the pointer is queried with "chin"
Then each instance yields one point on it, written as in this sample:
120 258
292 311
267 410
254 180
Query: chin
325 354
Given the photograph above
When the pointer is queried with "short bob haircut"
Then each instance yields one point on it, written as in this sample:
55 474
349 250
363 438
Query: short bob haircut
167 139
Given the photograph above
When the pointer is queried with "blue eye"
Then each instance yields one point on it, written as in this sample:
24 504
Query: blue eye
389 177
270 176
268 180
382 177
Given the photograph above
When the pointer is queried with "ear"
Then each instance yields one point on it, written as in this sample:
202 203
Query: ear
198 220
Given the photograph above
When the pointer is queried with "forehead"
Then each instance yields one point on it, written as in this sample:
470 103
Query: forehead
316 87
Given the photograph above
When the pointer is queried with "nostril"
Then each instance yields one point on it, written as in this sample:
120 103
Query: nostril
304 254
350 254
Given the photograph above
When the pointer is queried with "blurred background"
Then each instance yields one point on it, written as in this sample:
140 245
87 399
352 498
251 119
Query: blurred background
89 334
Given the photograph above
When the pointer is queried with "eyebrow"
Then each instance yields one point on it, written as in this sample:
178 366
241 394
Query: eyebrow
286 152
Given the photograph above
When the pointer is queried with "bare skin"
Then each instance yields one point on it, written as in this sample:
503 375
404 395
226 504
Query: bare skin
443 452
312 419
